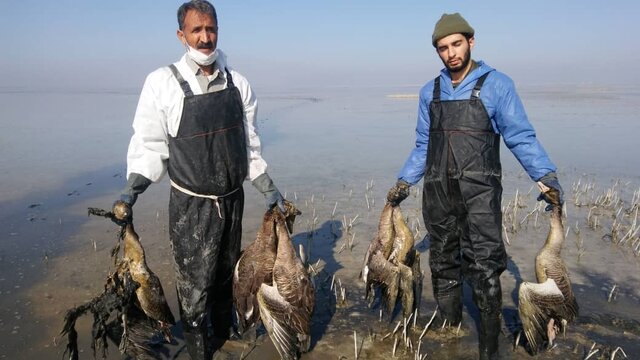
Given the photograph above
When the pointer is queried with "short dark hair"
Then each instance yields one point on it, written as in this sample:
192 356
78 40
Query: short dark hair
201 6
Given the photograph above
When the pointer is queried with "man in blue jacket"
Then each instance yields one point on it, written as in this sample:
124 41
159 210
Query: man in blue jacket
461 116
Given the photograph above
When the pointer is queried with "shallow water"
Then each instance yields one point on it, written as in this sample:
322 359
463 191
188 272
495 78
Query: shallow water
340 149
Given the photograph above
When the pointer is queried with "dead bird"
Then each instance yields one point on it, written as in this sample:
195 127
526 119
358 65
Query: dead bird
133 294
391 261
107 310
403 240
548 305
255 267
287 305
150 294
404 255
377 270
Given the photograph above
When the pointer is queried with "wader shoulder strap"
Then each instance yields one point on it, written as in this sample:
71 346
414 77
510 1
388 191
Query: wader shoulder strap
183 83
475 93
230 84
436 89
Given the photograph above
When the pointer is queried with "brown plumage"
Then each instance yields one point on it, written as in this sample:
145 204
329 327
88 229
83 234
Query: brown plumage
377 269
132 306
403 241
150 294
255 267
550 303
287 305
403 256
392 263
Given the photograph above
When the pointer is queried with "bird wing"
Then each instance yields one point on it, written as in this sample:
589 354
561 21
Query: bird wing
373 247
296 288
242 297
382 271
403 239
274 312
537 304
557 271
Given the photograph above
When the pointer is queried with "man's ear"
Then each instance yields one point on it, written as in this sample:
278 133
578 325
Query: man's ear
180 35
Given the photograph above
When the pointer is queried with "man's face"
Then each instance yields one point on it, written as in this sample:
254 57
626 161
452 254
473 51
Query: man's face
200 31
455 51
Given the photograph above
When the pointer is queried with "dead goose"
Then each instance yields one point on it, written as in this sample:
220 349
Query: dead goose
550 304
287 305
403 255
377 269
255 267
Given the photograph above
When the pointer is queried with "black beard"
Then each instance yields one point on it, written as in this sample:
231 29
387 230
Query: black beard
462 66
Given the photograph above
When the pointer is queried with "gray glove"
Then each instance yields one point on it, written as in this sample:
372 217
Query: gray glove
265 185
551 181
136 185
398 192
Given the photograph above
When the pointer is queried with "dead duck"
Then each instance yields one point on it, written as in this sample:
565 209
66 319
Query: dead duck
149 293
255 267
549 304
286 306
132 293
377 270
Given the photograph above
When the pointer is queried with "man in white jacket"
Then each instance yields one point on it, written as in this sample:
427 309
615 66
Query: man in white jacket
196 119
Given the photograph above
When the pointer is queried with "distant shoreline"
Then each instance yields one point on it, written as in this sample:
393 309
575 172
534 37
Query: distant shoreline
402 96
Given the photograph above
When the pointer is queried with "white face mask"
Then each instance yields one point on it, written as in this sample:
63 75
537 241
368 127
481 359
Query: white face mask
200 58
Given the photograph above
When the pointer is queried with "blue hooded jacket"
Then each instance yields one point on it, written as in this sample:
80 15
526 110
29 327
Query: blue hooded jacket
507 116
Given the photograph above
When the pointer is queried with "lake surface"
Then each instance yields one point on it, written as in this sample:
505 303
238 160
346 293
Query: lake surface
335 153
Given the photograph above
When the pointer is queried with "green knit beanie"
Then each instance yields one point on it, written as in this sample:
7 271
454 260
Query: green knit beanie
450 24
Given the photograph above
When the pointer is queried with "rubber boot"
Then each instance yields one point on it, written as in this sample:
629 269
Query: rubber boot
222 319
487 295
197 344
448 295
490 324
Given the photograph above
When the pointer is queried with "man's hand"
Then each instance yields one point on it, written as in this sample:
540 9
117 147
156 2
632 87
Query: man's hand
272 196
550 181
398 192
136 185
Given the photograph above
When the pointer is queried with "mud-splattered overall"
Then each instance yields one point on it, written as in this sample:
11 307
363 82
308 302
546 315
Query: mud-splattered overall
207 165
461 209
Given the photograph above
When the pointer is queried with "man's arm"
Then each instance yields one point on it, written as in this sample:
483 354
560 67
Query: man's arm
257 165
148 150
520 137
414 168
518 133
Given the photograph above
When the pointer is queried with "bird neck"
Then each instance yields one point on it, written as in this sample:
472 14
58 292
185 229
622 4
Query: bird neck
556 229
132 248
285 247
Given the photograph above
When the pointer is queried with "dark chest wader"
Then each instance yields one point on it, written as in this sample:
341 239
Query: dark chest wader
207 166
461 209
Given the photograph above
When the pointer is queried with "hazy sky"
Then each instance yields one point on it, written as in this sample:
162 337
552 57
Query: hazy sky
115 43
